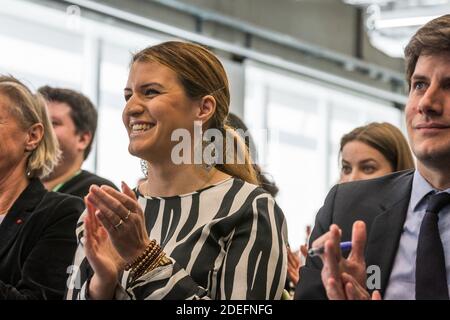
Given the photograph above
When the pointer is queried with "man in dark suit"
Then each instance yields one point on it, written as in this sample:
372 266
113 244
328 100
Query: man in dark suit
399 224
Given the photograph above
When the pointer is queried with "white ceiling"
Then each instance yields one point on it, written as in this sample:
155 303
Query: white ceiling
390 24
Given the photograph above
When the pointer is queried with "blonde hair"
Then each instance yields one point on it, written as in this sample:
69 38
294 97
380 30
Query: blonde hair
29 110
385 138
201 73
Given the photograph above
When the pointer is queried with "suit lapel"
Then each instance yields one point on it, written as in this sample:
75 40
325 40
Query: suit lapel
19 213
387 228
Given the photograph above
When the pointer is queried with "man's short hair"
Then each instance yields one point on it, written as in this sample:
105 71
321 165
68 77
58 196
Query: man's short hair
433 38
82 110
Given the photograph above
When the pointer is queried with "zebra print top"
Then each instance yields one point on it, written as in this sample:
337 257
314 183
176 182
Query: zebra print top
226 241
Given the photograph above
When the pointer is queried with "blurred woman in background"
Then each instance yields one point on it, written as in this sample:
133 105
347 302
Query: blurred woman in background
373 151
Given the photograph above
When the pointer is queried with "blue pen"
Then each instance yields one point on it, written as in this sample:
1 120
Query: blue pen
347 245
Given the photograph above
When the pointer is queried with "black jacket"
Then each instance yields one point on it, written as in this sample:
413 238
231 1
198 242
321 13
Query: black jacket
382 204
79 185
37 244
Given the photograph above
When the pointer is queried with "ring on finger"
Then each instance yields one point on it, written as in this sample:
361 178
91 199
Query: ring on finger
118 225
128 215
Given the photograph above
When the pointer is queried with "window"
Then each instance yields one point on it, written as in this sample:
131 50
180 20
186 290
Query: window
86 58
305 121
59 53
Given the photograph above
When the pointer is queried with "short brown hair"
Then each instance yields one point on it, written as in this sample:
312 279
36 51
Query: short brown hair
385 138
432 38
30 109
82 110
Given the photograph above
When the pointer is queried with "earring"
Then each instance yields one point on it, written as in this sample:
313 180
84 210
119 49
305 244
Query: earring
209 160
144 167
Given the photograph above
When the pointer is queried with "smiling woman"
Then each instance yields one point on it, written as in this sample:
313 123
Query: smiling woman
36 230
189 231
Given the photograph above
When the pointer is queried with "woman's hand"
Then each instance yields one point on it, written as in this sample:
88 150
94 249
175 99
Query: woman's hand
295 262
123 219
103 258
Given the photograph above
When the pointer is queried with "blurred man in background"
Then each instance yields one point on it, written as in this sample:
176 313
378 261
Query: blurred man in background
74 120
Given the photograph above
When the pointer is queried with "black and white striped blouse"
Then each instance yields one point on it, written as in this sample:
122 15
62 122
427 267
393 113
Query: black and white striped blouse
227 241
